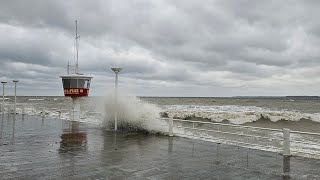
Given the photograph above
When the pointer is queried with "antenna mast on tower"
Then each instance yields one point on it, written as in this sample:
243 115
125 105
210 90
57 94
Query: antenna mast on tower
68 67
77 48
76 85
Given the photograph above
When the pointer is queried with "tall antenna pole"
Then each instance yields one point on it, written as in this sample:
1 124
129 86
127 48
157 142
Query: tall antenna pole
68 67
77 48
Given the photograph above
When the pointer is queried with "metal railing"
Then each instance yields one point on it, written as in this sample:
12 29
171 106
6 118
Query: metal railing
66 114
287 145
39 110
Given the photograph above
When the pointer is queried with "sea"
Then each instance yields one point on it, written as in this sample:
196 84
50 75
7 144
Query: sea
297 113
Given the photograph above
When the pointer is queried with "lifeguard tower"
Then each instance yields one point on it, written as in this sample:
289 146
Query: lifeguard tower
76 85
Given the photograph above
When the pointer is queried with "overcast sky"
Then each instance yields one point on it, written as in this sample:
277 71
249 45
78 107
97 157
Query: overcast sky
167 48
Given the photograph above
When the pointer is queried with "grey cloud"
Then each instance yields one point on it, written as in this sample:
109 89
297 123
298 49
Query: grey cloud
36 13
219 43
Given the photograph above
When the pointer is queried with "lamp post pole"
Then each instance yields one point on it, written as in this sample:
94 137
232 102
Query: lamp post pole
116 71
3 83
15 95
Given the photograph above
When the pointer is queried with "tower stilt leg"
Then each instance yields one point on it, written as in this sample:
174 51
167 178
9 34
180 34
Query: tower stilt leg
76 108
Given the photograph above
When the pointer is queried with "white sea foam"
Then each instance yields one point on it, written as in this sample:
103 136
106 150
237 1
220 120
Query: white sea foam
133 111
38 99
236 114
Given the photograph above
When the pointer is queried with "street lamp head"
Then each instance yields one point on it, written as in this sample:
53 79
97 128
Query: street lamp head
4 82
116 70
15 81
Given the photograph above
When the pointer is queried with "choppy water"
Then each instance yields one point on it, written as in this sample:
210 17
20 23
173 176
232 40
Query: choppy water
300 114
276 112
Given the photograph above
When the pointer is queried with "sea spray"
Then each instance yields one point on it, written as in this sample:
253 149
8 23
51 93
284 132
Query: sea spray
133 114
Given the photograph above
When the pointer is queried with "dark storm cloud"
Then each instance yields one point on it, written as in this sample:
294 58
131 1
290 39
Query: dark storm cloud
185 44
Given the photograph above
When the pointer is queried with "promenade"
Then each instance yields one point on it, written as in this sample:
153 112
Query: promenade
36 148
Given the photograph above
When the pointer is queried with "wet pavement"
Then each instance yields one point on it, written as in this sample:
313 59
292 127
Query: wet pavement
35 148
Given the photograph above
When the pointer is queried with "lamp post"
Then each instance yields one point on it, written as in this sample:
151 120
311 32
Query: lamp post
15 95
3 83
116 70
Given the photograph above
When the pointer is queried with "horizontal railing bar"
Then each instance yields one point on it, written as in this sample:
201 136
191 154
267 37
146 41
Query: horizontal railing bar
161 125
232 125
241 126
305 142
307 133
164 119
223 132
297 151
93 112
225 140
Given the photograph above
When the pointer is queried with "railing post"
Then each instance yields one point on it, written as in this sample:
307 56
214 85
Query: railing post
286 142
193 131
60 113
170 127
43 112
71 114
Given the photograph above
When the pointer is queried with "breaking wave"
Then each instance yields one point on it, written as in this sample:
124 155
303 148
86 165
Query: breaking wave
135 111
133 114
235 114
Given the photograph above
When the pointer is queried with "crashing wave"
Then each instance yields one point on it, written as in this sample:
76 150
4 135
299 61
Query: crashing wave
235 114
38 99
132 113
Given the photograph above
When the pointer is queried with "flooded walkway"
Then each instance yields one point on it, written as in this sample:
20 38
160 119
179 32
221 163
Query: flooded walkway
35 148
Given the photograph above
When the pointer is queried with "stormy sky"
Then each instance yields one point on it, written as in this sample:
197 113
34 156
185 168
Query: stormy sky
167 48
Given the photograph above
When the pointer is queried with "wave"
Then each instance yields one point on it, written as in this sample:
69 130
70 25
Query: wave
133 113
235 114
136 111
39 99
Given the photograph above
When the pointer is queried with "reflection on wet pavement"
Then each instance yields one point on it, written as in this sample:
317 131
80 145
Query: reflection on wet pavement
286 167
36 148
73 139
